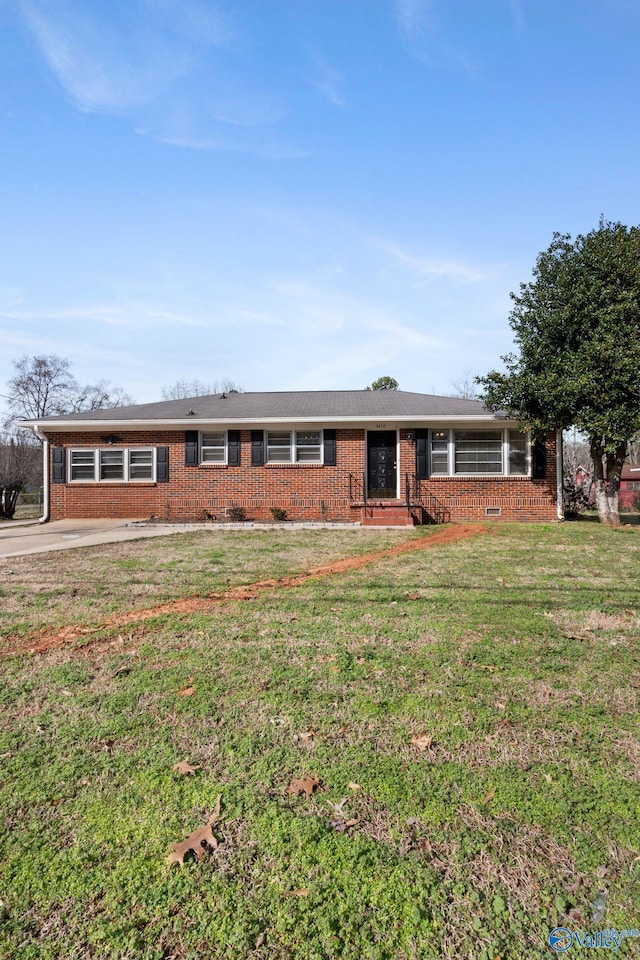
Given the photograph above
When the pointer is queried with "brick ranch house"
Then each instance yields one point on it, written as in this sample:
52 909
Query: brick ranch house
375 457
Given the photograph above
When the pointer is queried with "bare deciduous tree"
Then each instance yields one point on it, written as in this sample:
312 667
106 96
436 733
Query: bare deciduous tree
184 389
465 386
45 386
42 386
20 466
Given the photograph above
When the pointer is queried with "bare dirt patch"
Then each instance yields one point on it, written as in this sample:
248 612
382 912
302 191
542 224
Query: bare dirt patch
44 640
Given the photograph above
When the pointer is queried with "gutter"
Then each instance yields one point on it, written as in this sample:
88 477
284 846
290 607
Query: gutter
45 473
559 473
410 420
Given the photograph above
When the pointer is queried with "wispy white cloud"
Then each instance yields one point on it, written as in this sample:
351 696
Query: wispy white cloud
160 64
430 268
517 13
255 316
105 64
328 81
414 18
133 315
422 28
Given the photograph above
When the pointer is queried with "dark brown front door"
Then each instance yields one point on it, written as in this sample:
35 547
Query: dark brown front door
382 473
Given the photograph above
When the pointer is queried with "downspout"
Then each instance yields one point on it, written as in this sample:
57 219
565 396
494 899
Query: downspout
559 475
45 473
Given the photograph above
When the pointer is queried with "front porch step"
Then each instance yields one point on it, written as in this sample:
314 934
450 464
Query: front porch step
387 514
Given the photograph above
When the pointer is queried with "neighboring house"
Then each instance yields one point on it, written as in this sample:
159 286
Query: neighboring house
629 494
362 455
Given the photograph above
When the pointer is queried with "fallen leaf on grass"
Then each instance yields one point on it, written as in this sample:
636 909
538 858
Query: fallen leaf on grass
548 777
183 768
486 666
194 842
187 691
306 736
422 741
343 825
300 892
354 786
489 796
304 785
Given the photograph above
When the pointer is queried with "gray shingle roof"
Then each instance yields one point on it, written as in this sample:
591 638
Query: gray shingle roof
287 405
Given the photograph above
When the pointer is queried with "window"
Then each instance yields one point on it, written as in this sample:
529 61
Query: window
479 452
82 465
111 465
140 464
440 451
294 446
279 447
308 446
518 453
213 447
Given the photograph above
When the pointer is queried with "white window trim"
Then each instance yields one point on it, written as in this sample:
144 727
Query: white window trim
451 454
213 463
293 446
95 451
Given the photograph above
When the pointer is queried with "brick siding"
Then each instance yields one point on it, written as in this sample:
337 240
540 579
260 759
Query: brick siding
308 492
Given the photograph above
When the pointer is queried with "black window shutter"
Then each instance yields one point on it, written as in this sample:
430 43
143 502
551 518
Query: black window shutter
233 445
538 460
329 448
422 454
58 465
191 457
162 464
257 448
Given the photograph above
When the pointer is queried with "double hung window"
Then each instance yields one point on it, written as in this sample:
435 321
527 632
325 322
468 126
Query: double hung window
111 464
479 453
213 447
294 446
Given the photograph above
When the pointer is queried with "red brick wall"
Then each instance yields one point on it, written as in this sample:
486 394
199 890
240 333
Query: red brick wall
306 492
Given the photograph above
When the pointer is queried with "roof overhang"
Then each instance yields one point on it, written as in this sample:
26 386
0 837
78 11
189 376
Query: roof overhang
196 423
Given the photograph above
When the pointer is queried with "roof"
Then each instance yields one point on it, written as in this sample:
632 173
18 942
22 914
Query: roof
283 406
630 471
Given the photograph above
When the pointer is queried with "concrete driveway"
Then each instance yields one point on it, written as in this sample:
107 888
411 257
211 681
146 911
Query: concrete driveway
20 538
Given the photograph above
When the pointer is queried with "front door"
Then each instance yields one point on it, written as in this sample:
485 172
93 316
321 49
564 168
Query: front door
382 472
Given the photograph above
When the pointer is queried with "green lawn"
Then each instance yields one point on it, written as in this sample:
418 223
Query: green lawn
512 658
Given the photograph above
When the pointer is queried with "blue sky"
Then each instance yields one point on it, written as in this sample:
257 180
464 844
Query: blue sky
299 194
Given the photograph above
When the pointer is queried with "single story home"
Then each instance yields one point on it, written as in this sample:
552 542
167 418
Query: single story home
375 457
629 496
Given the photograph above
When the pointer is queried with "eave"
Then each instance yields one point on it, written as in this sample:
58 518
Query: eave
198 423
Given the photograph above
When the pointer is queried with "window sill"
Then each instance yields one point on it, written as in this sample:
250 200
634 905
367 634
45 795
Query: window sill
294 466
478 476
111 483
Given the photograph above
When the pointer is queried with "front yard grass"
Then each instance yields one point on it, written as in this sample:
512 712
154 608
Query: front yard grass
88 584
510 659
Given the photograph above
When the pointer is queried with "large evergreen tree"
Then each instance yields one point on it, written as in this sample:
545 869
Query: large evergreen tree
577 329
